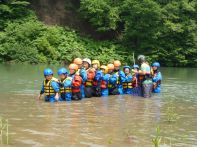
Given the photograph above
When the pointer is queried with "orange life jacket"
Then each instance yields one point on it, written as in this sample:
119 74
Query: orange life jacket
76 83
90 77
103 84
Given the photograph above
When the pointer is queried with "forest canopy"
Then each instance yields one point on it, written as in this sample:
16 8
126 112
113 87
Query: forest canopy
164 30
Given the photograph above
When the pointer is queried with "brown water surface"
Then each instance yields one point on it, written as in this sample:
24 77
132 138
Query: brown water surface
116 121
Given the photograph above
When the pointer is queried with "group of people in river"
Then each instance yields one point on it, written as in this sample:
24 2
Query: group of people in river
86 79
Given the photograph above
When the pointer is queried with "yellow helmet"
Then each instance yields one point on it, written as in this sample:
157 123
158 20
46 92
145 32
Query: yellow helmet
103 67
96 62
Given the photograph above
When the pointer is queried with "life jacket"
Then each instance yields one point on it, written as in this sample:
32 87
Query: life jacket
127 85
63 89
48 89
109 85
90 77
76 83
104 84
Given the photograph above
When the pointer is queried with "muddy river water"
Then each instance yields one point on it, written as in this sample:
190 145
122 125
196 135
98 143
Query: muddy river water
114 121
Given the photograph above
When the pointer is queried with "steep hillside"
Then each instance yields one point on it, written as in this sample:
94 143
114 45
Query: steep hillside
65 13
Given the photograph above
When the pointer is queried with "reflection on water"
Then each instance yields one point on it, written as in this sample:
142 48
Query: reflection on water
98 122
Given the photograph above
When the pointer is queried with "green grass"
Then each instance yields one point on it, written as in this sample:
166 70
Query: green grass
157 139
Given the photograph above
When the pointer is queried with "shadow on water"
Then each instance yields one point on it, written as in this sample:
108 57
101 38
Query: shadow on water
98 122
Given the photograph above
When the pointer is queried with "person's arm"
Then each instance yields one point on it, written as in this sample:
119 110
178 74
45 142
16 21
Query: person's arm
41 92
98 75
122 76
113 79
83 74
56 88
128 78
158 77
68 82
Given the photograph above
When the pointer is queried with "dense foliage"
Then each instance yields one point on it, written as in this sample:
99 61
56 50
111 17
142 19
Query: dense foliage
164 30
25 39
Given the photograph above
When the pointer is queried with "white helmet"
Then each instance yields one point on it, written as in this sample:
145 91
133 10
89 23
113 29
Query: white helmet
87 60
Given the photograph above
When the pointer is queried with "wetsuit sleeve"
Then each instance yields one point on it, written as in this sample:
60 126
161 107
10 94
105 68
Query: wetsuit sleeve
158 77
113 79
128 78
105 78
42 89
98 75
122 76
55 86
83 74
68 83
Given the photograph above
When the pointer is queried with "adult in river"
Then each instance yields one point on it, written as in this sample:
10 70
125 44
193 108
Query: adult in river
145 76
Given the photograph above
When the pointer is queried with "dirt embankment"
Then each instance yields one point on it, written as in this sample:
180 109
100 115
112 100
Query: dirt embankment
65 13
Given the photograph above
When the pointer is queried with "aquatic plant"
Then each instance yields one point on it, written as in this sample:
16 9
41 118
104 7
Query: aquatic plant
110 141
171 115
4 129
157 139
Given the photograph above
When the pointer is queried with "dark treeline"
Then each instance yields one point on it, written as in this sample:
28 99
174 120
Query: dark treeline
164 30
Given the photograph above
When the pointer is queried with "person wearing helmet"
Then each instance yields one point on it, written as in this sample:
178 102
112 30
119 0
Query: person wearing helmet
120 76
97 78
76 82
156 77
136 91
81 72
145 76
50 87
78 62
112 85
127 84
104 81
90 77
65 84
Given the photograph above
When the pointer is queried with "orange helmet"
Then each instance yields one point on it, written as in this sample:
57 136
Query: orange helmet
73 66
117 63
77 61
110 67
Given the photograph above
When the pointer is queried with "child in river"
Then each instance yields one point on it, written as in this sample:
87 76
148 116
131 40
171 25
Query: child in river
50 87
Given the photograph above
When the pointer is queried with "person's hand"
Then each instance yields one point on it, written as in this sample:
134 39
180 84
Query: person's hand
39 97
57 97
154 85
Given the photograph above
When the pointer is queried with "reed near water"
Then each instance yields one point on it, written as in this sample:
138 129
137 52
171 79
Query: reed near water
4 131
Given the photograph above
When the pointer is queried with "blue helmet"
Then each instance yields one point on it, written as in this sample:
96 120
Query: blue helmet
156 64
48 71
62 71
136 66
126 67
